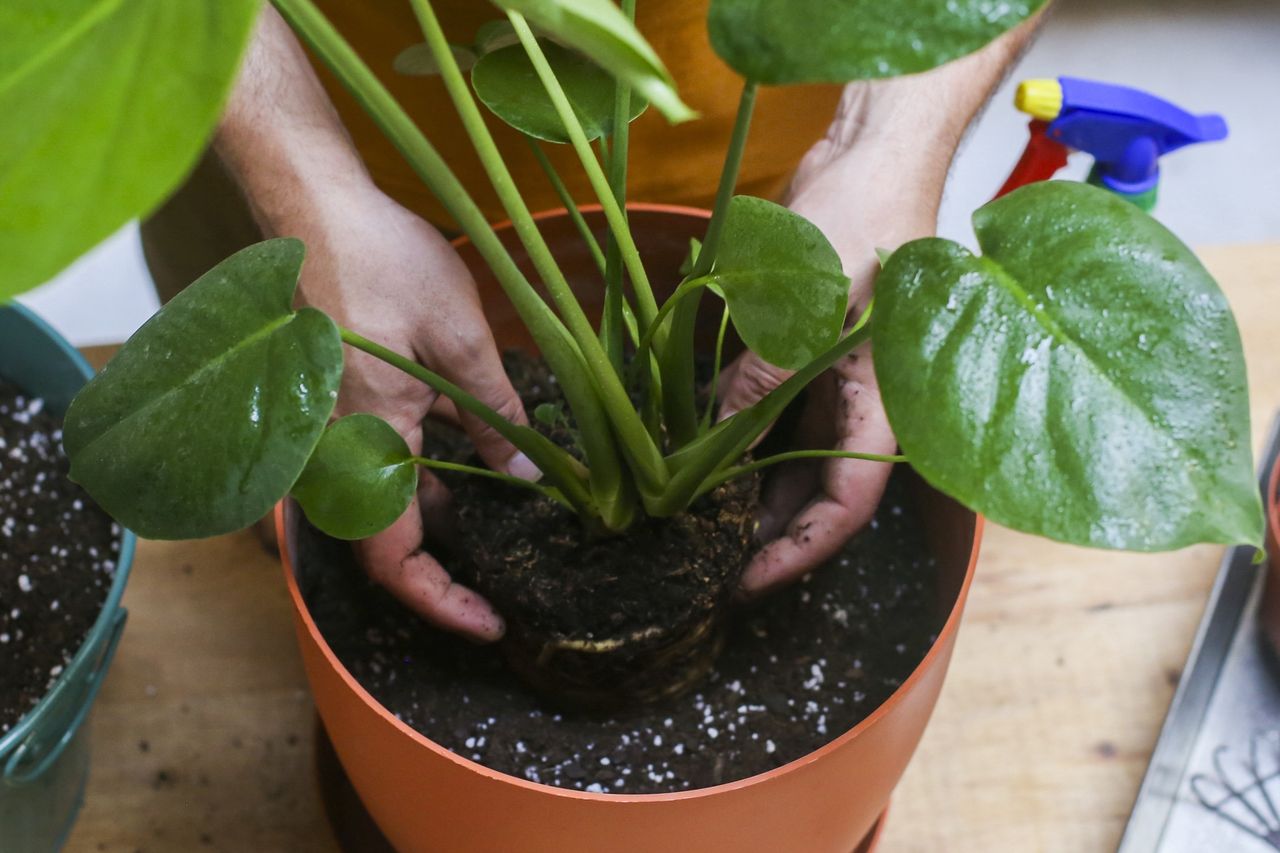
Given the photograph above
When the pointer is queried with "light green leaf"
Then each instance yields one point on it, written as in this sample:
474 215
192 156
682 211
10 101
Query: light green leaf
598 29
207 415
782 281
836 41
418 60
106 106
507 83
360 478
1082 380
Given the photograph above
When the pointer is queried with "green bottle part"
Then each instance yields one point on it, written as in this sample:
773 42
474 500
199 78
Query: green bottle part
1145 201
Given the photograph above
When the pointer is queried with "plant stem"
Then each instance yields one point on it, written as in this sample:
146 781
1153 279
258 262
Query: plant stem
556 465
679 404
728 180
739 470
646 459
729 439
611 318
441 465
562 192
686 288
715 371
646 305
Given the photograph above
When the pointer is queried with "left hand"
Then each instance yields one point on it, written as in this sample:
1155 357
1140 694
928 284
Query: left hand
863 190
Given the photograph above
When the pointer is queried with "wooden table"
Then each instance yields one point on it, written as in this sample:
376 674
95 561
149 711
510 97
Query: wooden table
1064 669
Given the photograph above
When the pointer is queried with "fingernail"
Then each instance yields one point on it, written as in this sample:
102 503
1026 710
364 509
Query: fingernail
522 466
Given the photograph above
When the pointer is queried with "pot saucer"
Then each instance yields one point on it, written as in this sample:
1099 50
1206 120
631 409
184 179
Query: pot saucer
355 830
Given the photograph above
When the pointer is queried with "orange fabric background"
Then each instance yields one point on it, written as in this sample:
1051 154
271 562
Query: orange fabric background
675 165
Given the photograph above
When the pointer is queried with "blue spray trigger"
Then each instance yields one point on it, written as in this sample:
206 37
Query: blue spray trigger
1127 131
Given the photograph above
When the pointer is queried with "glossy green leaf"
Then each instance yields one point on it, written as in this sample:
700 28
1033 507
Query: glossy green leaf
418 60
507 83
106 106
207 415
359 480
782 281
599 29
836 41
1082 380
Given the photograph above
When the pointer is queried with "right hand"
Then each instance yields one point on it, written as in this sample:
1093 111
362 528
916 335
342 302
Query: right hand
381 271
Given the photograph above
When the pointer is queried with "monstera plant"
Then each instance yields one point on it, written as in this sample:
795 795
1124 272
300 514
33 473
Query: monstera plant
1081 378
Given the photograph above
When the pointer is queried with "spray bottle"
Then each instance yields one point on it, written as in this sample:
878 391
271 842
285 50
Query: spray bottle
1126 130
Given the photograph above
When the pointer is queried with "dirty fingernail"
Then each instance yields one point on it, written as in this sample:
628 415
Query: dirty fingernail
522 466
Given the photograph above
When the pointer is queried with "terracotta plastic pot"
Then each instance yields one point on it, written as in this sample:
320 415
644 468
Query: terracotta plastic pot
425 798
44 758
1269 612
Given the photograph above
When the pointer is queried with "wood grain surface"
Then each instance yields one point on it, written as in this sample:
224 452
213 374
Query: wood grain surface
1066 662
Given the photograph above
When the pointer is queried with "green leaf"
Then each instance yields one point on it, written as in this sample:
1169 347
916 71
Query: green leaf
360 478
836 41
107 104
598 29
207 415
493 35
782 281
507 83
1082 380
418 60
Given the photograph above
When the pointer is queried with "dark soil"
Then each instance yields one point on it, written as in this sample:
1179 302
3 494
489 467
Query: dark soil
796 672
57 556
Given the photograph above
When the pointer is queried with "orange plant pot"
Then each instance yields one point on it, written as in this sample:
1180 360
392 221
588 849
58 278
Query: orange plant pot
1269 609
425 798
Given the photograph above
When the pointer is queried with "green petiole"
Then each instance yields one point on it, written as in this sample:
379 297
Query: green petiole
739 470
458 468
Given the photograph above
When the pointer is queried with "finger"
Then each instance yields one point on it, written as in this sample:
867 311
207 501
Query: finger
748 379
470 359
394 559
436 502
444 411
788 487
851 488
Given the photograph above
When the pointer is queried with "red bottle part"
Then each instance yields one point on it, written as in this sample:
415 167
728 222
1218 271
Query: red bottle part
1040 161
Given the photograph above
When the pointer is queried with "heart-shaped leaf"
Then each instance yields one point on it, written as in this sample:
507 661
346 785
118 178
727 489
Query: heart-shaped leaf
599 30
107 104
782 281
836 41
507 83
359 480
207 415
1082 380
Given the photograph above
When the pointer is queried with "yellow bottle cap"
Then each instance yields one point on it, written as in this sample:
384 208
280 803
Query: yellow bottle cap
1040 99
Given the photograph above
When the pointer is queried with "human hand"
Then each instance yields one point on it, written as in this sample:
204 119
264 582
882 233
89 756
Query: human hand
378 269
861 187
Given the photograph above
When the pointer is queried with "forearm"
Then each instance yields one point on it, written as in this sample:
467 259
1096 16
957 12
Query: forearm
876 179
280 137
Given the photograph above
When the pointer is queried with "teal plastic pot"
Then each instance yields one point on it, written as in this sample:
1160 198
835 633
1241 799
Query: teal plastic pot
44 759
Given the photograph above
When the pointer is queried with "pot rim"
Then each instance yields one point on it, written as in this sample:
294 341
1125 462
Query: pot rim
950 626
91 645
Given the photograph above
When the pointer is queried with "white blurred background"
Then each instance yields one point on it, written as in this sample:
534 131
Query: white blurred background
1221 56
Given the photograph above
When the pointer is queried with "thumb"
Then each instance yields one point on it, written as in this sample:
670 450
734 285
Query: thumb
747 381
